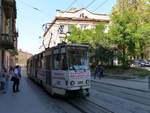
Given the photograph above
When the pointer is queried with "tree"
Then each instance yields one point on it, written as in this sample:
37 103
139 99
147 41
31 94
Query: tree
129 28
96 38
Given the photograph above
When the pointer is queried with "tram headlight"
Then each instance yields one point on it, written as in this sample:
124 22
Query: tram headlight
87 81
72 83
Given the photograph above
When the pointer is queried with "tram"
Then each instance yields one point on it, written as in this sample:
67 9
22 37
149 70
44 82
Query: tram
62 70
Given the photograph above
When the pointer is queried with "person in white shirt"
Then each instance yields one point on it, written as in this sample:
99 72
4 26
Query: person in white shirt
16 80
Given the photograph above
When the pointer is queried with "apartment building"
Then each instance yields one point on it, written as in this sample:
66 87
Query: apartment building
8 33
57 30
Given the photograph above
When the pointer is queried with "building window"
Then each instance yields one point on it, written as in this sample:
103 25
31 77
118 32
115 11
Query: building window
93 26
83 16
61 29
83 26
70 28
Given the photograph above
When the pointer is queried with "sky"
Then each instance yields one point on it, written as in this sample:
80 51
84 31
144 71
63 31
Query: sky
32 14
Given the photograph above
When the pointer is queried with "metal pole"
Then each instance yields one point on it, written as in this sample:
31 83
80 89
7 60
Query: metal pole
149 82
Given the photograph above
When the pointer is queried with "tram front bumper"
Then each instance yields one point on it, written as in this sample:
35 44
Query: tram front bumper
79 87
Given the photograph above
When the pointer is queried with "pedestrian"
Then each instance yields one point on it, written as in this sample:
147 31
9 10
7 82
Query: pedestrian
2 79
16 80
96 72
101 71
11 73
19 71
6 76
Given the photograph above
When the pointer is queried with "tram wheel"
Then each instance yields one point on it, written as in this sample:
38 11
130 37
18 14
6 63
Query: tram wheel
88 94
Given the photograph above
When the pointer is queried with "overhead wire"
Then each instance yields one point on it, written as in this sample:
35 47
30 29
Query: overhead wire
29 5
100 5
74 1
79 5
90 4
34 8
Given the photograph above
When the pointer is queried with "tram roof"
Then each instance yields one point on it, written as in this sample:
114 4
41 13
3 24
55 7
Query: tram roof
74 44
64 45
55 47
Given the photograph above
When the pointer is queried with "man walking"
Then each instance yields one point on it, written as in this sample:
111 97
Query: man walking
99 72
16 80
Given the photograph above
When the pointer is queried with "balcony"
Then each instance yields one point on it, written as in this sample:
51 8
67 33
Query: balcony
7 41
9 8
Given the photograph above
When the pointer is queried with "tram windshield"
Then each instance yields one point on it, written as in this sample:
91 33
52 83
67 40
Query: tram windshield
78 58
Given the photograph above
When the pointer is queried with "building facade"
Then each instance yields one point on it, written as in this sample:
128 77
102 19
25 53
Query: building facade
60 28
8 33
22 58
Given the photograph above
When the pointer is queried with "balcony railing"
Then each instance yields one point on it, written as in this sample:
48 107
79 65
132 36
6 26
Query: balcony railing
7 41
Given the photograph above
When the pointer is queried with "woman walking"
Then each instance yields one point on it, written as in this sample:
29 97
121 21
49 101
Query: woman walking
2 80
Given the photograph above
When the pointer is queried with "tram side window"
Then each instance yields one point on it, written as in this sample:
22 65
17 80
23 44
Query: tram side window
60 63
64 62
39 64
56 62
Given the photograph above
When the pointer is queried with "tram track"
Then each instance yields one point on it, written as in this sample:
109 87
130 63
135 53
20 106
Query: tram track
140 81
144 93
136 80
130 88
128 94
88 106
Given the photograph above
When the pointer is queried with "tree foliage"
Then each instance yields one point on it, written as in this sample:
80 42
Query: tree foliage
129 32
96 38
130 27
93 37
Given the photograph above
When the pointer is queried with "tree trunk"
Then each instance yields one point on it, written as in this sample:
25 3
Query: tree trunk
124 56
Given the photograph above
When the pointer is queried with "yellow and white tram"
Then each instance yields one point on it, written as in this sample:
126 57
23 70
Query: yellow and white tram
62 69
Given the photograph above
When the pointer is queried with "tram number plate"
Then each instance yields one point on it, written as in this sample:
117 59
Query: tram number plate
80 82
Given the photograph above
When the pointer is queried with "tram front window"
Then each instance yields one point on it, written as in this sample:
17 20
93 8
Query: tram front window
60 62
78 59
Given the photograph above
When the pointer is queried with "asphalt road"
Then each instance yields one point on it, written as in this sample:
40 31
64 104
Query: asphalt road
32 99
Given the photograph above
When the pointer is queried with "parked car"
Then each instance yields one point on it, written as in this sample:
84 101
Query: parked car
147 63
140 62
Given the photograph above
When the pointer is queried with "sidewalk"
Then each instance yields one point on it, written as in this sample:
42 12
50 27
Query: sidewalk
137 84
31 99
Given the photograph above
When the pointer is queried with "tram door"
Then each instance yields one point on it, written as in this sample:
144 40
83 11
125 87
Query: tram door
36 67
48 70
32 68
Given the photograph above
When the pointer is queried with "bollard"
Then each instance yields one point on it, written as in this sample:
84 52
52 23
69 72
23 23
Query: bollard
149 82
